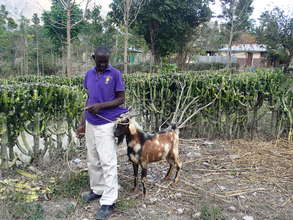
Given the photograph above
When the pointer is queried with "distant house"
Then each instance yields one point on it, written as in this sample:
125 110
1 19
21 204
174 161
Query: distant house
135 56
251 55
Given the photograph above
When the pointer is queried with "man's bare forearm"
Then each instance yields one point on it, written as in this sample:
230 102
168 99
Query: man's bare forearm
119 100
95 108
82 119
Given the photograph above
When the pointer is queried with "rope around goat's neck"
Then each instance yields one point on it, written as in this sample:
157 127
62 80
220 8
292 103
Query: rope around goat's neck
111 121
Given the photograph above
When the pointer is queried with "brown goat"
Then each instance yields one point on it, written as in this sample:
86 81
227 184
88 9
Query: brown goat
143 148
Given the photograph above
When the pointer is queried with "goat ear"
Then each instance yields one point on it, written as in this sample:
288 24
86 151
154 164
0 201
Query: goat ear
118 120
132 129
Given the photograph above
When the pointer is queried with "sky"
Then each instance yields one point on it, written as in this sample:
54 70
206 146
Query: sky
28 7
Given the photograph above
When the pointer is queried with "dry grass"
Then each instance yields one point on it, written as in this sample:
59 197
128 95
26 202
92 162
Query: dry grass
256 178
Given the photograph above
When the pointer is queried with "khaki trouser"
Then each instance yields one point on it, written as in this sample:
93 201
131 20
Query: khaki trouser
102 161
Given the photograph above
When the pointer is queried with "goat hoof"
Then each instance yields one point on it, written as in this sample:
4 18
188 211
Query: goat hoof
134 190
176 181
144 196
167 178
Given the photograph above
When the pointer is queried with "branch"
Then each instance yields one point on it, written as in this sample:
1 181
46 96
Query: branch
241 14
56 22
126 9
140 4
185 109
64 4
178 104
84 14
194 113
164 123
186 97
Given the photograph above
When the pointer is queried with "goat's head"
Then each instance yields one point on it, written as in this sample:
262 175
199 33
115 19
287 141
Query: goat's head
125 126
122 127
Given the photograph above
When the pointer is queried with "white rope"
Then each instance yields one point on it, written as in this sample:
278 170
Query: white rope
111 121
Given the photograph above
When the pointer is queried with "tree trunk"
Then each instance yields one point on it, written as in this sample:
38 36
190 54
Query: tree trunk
38 65
231 37
26 55
3 141
287 64
68 29
126 26
43 69
63 61
116 50
126 49
152 37
181 58
156 58
230 47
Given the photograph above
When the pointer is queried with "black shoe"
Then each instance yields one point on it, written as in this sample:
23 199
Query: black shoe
104 212
91 196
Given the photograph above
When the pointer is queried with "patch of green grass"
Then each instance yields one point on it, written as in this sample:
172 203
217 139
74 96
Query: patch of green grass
211 213
125 204
29 211
66 213
233 173
71 185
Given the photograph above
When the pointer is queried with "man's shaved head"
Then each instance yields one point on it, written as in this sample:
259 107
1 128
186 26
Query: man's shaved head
101 58
102 51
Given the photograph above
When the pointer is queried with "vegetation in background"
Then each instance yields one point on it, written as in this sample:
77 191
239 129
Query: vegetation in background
276 31
236 14
167 26
48 108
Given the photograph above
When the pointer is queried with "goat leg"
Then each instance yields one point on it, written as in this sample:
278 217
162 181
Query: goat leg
178 168
167 177
143 180
135 172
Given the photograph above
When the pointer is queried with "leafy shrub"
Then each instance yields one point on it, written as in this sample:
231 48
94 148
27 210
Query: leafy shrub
208 66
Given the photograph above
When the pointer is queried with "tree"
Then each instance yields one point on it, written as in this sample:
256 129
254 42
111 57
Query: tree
276 31
236 13
127 10
93 27
168 25
205 41
64 21
36 27
23 44
7 26
3 15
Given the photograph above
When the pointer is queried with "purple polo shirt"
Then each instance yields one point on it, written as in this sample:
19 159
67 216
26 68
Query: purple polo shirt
102 88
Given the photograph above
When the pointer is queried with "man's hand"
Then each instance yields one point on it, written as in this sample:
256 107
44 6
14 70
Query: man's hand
80 131
94 109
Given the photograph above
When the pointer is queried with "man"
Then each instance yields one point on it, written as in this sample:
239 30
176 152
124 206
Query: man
105 89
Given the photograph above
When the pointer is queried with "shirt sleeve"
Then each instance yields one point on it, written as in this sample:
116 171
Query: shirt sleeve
119 82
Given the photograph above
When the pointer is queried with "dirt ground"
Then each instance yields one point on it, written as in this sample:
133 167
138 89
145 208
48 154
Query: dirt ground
231 180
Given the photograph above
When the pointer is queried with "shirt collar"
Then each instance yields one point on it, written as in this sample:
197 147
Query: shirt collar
108 68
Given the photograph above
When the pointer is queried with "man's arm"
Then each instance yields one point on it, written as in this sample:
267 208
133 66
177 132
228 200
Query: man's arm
119 99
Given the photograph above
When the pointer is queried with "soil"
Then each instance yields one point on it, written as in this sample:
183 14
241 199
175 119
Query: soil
231 180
